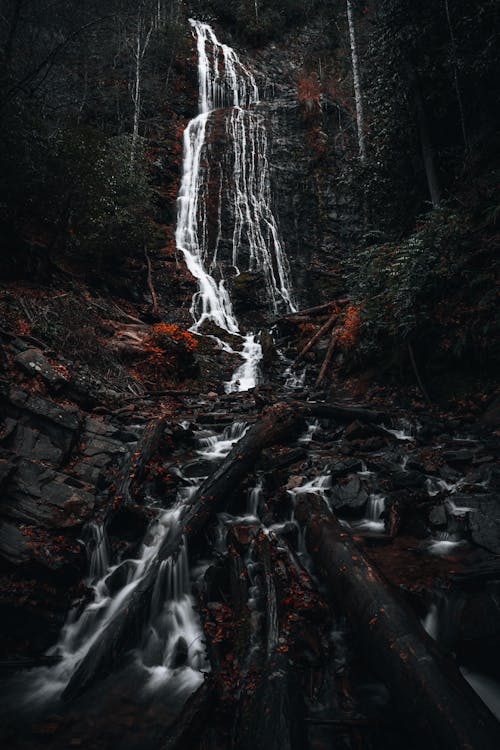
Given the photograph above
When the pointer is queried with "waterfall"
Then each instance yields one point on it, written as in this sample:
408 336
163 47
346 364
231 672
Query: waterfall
227 87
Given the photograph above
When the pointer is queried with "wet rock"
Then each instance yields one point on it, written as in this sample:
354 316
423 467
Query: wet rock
197 468
350 495
294 481
243 534
342 468
457 458
180 654
438 517
33 363
407 479
357 430
484 521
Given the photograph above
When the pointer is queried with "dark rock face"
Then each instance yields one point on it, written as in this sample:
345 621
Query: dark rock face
55 472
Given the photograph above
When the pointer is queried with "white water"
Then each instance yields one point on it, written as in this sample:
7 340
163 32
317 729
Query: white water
173 644
254 497
83 629
224 82
374 512
217 447
487 689
246 376
98 553
444 543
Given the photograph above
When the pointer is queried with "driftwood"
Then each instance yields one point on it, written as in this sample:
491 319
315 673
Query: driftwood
277 423
327 359
426 686
320 332
145 447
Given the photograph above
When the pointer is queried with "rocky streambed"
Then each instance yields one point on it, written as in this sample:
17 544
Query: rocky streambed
244 629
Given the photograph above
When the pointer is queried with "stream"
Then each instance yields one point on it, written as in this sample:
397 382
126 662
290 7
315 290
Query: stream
256 554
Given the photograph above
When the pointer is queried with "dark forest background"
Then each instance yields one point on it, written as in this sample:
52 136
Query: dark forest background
94 97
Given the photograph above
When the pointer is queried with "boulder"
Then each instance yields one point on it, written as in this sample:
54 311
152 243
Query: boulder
349 495
33 363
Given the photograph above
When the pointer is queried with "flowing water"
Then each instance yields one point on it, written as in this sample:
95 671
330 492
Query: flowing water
226 86
171 648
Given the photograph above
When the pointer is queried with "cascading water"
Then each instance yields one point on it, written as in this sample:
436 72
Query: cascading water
374 512
224 82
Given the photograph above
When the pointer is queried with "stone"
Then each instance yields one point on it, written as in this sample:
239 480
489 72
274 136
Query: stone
407 479
34 444
356 430
349 495
459 457
33 362
294 481
484 521
438 517
342 468
41 496
13 545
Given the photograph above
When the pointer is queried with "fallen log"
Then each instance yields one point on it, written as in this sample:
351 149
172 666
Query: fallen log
327 359
134 466
307 311
426 686
320 332
343 412
277 423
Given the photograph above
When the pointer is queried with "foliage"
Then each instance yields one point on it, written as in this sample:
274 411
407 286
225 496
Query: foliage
437 285
258 21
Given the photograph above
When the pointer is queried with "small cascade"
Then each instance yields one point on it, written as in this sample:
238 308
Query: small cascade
319 485
225 83
216 447
83 628
294 380
487 689
404 431
173 643
374 512
99 557
254 498
246 376
442 619
312 428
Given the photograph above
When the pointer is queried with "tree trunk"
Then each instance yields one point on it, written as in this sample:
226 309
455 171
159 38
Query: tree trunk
426 147
360 120
426 686
455 75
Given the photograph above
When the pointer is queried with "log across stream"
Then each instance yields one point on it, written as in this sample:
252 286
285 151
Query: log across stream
269 647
